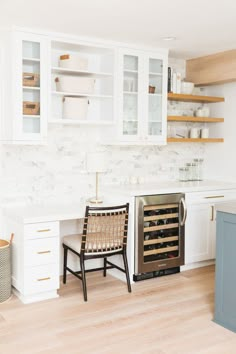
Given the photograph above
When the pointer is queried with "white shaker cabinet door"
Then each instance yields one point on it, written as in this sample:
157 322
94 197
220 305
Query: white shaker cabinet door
198 233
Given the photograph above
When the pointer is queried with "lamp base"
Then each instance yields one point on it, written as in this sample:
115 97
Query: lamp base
95 201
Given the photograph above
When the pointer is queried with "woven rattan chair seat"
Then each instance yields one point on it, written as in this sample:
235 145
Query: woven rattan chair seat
74 242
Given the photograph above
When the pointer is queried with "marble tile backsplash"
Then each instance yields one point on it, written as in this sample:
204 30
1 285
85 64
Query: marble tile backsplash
56 172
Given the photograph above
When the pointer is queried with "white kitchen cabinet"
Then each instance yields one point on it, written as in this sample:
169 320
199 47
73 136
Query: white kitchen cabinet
198 233
200 227
24 115
142 96
35 251
87 75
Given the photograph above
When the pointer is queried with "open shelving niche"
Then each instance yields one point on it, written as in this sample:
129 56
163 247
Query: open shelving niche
100 67
193 119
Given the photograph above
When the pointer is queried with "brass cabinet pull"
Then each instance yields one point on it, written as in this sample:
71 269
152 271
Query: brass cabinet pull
214 196
212 213
43 252
45 230
42 279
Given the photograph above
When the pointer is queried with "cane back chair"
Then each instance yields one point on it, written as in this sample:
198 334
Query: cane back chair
105 231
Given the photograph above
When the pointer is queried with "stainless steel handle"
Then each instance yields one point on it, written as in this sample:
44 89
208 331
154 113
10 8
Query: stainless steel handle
182 201
212 212
214 196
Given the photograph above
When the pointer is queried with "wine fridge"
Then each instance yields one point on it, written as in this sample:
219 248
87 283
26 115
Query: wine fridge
159 235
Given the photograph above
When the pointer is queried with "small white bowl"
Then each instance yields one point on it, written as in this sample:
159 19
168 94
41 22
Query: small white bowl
187 87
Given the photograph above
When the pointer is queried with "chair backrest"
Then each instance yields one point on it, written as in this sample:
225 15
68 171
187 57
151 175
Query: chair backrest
105 229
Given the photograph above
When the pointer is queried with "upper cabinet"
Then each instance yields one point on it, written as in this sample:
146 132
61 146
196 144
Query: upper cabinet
25 86
82 83
62 80
142 95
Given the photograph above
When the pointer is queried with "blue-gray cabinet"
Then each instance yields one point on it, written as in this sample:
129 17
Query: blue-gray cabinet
225 280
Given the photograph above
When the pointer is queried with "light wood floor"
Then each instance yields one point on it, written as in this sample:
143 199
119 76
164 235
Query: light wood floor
172 314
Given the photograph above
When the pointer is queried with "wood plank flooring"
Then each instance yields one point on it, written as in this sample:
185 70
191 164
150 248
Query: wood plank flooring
168 315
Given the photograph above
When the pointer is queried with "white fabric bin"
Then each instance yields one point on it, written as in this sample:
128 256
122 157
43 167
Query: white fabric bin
75 108
73 62
75 84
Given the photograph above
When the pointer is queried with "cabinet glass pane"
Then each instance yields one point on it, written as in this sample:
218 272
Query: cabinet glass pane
31 125
130 114
31 50
130 62
155 97
155 66
31 87
130 95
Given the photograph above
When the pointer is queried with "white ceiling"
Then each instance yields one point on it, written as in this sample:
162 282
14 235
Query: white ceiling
200 26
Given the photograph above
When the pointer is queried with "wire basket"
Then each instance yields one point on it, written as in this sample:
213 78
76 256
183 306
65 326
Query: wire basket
31 108
5 270
30 79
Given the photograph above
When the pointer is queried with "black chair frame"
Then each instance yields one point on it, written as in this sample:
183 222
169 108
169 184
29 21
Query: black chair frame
85 256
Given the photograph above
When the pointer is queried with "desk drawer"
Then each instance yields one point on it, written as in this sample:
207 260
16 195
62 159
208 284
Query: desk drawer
210 197
41 278
41 251
41 230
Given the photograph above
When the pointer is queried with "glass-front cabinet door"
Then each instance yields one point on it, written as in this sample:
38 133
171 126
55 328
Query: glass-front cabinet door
143 96
156 105
30 116
129 95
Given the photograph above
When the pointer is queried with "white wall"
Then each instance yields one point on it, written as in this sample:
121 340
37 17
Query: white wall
220 158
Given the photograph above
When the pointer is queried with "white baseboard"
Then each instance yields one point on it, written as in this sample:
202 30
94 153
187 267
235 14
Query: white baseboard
28 299
197 265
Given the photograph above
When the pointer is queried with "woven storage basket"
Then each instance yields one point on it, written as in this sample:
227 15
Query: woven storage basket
5 270
30 79
31 108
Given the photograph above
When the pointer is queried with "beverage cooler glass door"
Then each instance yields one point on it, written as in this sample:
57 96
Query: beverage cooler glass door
159 232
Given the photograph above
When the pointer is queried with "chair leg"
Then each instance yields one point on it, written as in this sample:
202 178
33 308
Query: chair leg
105 267
126 271
83 277
65 263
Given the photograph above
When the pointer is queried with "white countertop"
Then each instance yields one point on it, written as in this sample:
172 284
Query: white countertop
229 207
163 187
113 195
44 213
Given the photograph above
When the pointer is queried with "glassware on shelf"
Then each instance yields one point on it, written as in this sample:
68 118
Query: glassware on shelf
199 169
183 174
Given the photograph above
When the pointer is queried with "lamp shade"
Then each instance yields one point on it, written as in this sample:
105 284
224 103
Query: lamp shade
96 162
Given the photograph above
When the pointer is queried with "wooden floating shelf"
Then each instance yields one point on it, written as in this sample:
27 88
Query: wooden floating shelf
194 119
194 98
196 140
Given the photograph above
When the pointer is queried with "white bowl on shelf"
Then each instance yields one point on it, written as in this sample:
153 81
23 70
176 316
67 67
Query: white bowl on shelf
187 87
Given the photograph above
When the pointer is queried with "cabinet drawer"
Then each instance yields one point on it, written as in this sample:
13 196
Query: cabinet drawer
41 278
41 251
210 197
41 230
